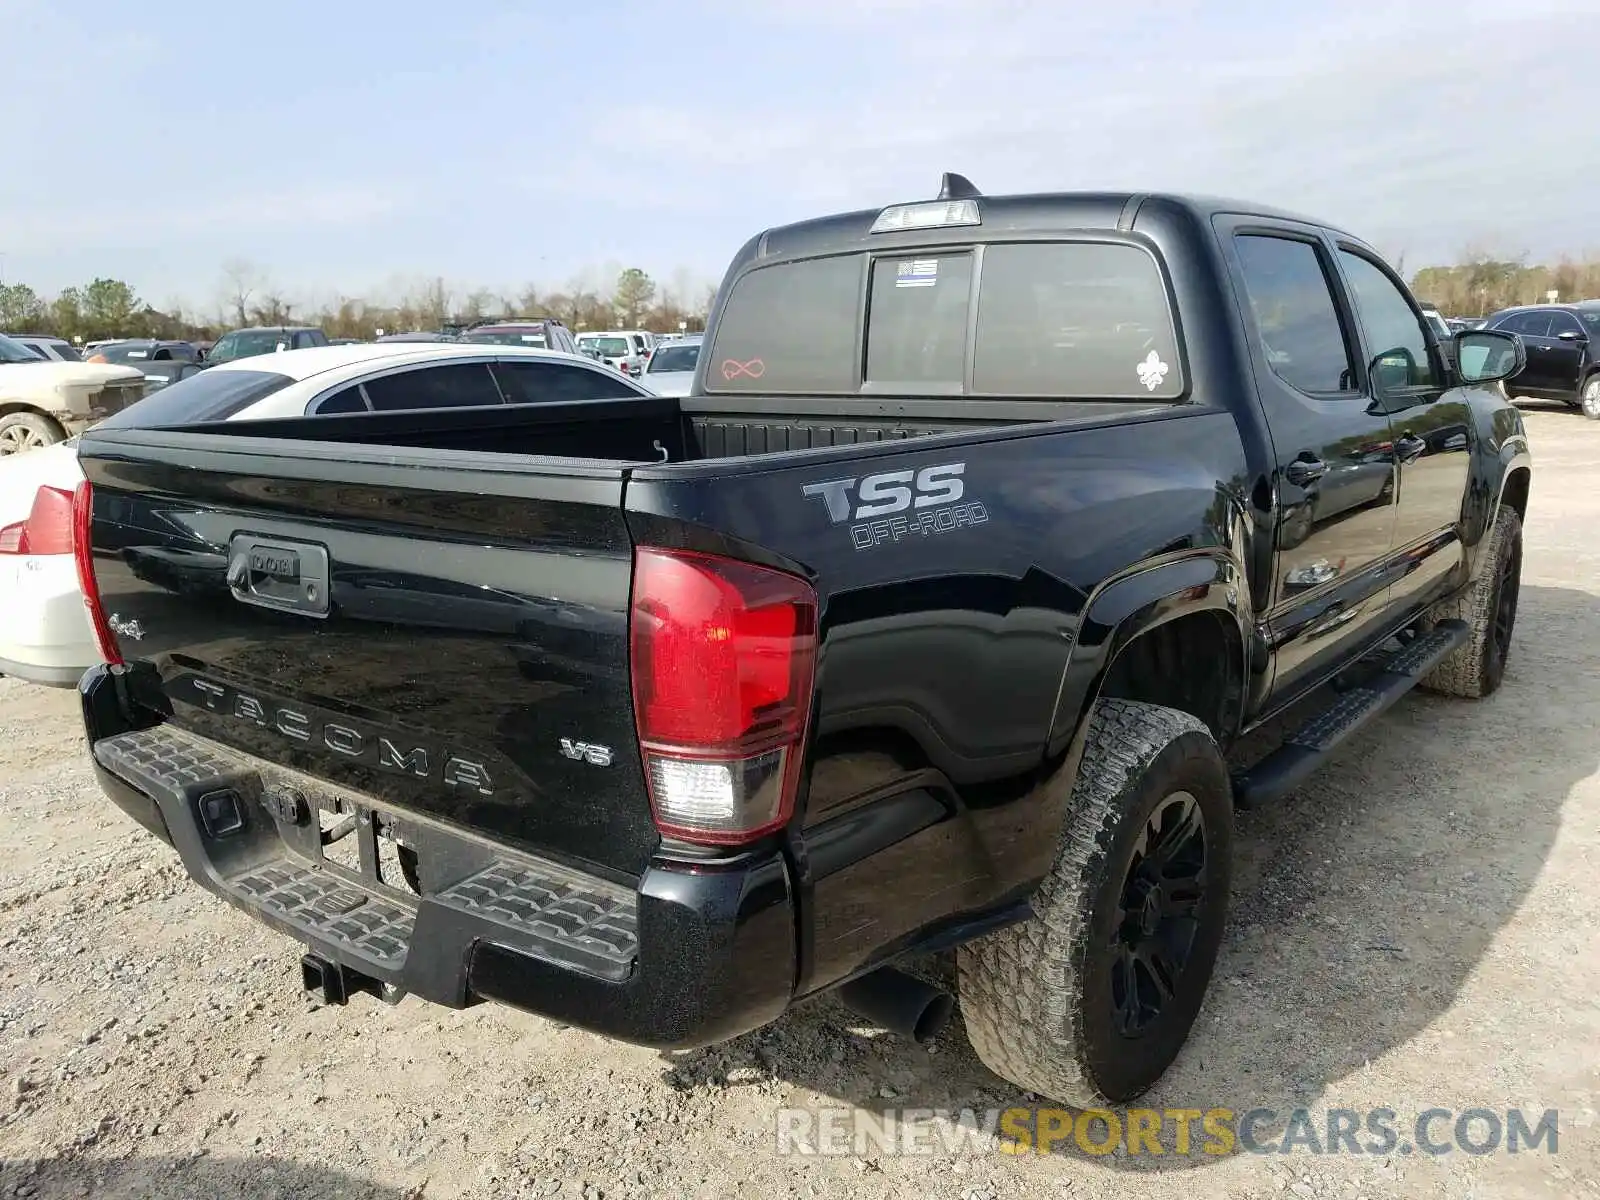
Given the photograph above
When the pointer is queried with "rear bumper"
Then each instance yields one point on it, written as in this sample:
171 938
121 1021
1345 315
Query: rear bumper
685 958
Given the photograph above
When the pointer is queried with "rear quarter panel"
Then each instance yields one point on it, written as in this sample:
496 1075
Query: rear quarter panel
935 787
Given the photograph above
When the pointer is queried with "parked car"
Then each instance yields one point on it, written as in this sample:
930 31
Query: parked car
45 638
644 340
624 352
671 368
160 362
52 348
419 337
924 622
142 350
546 333
1563 342
245 343
44 401
1442 332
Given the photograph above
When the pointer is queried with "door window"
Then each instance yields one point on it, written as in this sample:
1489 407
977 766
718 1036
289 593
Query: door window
553 382
1563 322
1528 324
1395 334
349 400
1295 314
457 385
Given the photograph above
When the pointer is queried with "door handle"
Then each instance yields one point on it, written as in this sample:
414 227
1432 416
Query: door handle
1305 470
1410 447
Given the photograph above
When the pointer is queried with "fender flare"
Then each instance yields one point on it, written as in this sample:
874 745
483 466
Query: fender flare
1511 455
1132 604
1514 456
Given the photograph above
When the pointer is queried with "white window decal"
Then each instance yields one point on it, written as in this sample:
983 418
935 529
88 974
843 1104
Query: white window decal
1152 371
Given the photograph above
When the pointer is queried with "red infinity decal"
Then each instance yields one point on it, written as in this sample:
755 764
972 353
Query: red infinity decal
733 368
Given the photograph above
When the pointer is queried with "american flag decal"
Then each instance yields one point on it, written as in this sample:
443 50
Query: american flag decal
918 272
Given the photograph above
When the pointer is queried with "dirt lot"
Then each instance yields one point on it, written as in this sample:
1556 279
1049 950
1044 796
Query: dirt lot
1416 929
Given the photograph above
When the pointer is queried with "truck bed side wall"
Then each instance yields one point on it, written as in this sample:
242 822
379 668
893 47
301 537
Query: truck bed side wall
936 785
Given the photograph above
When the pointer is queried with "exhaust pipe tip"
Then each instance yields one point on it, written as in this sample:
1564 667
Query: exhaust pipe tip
900 1003
935 1016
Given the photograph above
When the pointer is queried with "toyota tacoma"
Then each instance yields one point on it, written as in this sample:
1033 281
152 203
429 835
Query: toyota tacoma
925 622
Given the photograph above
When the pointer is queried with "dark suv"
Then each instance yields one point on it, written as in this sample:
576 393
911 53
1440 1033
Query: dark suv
265 339
1563 342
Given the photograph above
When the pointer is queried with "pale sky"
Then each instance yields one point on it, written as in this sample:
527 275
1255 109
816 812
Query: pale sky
348 145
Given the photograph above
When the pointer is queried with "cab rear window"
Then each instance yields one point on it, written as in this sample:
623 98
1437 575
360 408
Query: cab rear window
1054 320
790 328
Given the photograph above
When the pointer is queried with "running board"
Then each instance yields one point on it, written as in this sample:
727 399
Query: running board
1309 746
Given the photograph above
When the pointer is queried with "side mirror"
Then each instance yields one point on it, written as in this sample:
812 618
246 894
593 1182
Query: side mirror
1571 335
1489 355
1393 370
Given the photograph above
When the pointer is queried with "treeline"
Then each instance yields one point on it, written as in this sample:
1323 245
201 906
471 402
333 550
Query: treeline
1484 283
107 308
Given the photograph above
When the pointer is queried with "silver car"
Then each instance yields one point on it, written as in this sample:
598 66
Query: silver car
671 369
623 352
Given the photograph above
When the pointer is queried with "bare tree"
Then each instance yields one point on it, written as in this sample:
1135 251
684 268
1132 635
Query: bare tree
478 306
434 302
272 309
530 302
241 279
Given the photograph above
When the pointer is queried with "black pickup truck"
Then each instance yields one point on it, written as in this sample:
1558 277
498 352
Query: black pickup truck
923 623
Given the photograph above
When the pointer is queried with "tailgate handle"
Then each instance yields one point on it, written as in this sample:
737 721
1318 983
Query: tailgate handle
276 573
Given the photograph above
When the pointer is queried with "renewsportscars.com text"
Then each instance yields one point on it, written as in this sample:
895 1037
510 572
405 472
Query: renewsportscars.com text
1178 1132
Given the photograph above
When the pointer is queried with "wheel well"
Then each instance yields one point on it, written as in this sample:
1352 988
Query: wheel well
1515 492
1191 663
13 406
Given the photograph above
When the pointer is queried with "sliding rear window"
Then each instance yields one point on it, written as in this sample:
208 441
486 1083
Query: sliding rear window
1054 320
917 322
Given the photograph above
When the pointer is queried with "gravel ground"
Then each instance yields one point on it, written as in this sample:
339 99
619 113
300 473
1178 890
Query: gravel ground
1414 929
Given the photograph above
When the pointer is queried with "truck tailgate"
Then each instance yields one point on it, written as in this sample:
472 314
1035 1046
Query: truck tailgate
454 645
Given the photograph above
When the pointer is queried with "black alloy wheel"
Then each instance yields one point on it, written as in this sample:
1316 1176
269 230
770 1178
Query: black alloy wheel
1158 918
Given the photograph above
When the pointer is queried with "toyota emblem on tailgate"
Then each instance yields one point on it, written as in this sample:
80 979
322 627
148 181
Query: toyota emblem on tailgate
273 573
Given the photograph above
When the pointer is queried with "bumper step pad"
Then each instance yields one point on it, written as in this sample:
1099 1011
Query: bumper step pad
543 909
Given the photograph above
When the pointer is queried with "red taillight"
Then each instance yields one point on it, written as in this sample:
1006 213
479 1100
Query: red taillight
83 556
48 529
724 658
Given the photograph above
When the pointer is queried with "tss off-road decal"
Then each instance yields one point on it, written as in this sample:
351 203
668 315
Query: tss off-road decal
891 506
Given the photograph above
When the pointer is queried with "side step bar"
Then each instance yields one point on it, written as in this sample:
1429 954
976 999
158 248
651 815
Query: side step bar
1307 748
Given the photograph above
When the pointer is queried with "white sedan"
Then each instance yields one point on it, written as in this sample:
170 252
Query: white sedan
45 637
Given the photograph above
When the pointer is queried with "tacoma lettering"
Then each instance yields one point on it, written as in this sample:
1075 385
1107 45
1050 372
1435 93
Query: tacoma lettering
342 739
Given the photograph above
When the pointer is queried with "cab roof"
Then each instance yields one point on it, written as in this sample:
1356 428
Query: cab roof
1032 212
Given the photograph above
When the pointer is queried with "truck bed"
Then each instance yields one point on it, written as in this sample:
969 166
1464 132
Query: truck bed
663 429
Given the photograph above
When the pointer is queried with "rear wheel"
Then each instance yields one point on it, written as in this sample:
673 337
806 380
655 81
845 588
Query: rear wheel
1091 999
1589 398
1489 607
23 431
